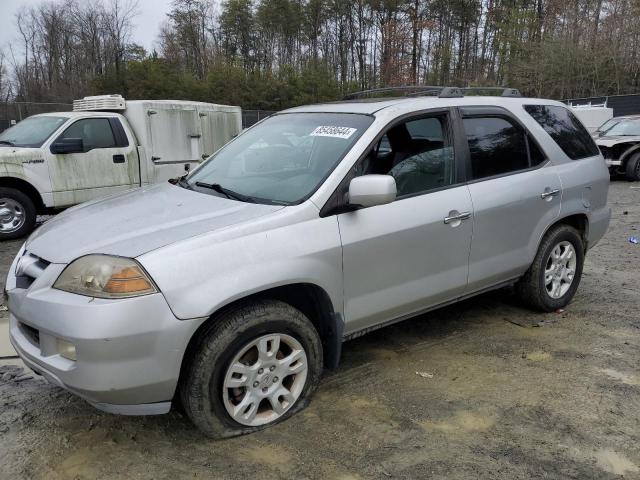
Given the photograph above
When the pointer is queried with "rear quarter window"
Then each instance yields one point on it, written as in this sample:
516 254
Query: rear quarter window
565 129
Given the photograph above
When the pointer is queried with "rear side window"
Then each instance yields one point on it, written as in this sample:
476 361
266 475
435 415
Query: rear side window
496 145
565 129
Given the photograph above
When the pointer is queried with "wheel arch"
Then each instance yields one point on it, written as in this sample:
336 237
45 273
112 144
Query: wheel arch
313 301
579 221
26 188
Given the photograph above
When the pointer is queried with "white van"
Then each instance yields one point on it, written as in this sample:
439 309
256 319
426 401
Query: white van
106 145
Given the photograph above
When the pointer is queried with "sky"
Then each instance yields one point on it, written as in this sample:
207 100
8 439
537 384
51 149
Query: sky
152 13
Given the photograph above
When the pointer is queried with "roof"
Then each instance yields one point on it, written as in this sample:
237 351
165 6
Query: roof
372 106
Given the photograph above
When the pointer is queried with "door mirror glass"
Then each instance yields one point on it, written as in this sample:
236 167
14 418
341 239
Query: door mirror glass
370 190
67 145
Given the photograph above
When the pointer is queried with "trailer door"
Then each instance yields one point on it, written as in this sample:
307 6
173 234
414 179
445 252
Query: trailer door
175 141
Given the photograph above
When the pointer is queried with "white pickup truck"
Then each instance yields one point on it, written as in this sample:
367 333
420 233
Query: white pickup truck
106 145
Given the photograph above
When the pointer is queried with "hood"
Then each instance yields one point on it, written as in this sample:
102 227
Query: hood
138 221
610 141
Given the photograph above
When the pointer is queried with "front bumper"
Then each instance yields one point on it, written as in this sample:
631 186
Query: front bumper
128 351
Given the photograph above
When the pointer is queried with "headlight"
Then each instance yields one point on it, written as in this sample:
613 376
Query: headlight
104 276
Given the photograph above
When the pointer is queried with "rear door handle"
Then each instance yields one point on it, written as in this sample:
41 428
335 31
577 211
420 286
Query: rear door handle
549 193
118 159
454 216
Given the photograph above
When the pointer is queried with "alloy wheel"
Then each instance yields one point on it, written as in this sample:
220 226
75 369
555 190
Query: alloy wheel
560 269
12 215
264 379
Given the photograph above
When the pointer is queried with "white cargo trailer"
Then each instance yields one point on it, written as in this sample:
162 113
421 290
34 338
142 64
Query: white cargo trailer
106 145
592 116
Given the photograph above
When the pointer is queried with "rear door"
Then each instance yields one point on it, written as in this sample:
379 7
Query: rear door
516 194
108 164
175 141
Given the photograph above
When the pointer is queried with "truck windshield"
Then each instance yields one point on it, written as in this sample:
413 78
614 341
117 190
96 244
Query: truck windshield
283 159
31 132
625 128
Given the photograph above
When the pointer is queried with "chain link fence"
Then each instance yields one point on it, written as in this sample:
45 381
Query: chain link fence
249 117
13 112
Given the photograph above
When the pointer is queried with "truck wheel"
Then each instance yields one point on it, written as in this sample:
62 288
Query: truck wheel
633 168
553 278
17 214
254 366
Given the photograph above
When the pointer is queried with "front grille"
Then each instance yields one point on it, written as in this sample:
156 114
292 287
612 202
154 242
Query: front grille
32 334
606 152
29 268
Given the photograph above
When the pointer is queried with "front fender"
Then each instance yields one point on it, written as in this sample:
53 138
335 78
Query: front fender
203 274
630 151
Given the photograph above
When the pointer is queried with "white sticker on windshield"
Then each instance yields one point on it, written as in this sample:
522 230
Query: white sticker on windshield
336 132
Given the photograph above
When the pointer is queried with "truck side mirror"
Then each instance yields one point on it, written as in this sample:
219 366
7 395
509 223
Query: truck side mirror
67 145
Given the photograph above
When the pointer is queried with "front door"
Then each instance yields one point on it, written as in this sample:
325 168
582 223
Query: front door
108 163
413 253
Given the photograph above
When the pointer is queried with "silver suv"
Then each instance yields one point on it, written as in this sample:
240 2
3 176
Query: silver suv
230 290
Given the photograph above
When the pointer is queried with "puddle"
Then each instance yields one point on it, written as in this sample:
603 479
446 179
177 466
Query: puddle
462 422
276 458
539 356
615 463
626 378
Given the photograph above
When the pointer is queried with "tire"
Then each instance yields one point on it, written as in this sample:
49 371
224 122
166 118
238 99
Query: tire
632 169
534 287
204 392
17 214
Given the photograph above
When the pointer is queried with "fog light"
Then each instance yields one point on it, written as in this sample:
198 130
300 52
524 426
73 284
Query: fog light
67 350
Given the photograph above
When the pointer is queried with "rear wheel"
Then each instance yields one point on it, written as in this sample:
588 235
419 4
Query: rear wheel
554 276
17 214
255 366
632 168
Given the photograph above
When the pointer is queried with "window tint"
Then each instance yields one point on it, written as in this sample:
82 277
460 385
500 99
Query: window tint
535 154
496 146
426 129
94 132
417 154
565 129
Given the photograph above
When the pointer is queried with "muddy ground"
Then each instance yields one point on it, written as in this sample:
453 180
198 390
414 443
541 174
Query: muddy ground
498 398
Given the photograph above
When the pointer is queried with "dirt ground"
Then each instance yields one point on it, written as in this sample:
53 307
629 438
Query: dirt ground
498 398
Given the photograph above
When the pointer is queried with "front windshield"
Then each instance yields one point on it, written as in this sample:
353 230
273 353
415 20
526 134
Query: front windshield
31 132
625 128
607 125
282 159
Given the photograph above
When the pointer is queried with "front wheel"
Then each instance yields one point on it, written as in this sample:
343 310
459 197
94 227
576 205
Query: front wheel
17 214
632 168
253 367
554 276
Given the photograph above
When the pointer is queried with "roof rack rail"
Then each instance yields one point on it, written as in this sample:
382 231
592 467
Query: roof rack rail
431 90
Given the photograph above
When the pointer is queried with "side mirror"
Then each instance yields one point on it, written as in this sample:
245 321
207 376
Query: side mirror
370 190
67 145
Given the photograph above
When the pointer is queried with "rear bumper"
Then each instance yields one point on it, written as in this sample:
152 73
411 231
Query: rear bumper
128 352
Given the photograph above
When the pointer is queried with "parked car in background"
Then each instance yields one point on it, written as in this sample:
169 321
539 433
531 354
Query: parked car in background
231 289
105 146
619 142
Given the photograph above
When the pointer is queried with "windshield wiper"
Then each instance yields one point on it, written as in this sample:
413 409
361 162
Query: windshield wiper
230 194
7 142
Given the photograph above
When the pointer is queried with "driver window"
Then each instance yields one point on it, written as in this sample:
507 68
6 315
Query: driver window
94 132
418 154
